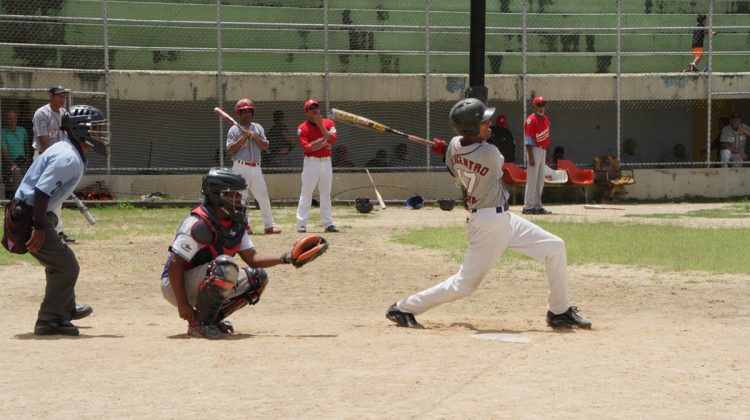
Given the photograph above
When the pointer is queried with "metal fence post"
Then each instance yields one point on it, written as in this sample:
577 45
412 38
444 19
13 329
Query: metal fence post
618 78
219 90
326 69
427 75
709 86
107 107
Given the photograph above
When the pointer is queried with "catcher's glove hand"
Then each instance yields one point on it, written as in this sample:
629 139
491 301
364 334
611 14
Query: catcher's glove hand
305 250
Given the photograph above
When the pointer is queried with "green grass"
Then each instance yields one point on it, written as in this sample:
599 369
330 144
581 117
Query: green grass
667 247
733 211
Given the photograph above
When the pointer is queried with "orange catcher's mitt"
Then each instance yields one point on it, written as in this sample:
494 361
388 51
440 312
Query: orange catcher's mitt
305 250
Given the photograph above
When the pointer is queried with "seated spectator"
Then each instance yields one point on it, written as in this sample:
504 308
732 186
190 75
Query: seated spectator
280 143
502 138
629 156
733 142
380 160
400 151
679 155
558 153
341 157
15 161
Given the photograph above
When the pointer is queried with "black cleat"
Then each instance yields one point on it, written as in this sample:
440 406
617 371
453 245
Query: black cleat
81 311
209 331
542 211
528 211
402 319
55 328
225 327
332 228
568 318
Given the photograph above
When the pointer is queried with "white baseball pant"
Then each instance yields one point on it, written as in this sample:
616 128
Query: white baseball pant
490 234
315 172
257 185
532 198
727 156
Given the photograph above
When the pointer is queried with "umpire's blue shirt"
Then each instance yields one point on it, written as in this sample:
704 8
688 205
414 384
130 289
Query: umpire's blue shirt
56 173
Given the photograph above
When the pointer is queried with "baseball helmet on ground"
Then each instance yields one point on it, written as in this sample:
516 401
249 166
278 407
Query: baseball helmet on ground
87 124
363 204
467 114
446 205
217 185
415 202
244 103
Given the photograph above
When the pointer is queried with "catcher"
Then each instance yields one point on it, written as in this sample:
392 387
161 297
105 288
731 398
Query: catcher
201 277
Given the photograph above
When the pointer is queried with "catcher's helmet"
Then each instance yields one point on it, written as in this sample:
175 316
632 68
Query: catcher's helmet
363 204
467 114
87 124
216 188
415 202
446 205
244 103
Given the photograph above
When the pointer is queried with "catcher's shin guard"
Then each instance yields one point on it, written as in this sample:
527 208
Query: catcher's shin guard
221 279
257 279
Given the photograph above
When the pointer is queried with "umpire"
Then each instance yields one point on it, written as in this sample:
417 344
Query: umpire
30 222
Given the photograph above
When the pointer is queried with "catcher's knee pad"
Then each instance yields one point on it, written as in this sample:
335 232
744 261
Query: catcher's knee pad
257 278
221 279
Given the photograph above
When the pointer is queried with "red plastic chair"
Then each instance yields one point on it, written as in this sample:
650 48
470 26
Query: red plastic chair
577 176
515 177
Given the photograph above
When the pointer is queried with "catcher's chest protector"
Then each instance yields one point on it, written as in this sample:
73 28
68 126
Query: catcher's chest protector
221 240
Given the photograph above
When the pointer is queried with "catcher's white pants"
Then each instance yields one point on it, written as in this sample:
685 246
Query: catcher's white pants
257 185
193 279
315 172
727 156
532 198
490 234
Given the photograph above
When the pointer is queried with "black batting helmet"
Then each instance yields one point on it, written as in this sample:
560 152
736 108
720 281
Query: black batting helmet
217 185
363 204
446 205
466 115
87 124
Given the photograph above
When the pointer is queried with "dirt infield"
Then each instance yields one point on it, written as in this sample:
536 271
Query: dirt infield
663 344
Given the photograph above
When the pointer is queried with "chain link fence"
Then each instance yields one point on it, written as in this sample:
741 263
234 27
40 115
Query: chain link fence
159 67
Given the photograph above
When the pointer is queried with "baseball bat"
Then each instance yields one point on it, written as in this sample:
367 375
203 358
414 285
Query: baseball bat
600 207
359 121
84 210
377 193
220 112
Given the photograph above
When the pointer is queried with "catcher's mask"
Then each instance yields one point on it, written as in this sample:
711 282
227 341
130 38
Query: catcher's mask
415 202
466 115
87 124
446 205
363 204
223 188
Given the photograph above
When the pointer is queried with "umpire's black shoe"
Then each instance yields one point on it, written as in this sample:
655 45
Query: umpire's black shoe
81 311
568 318
55 328
402 319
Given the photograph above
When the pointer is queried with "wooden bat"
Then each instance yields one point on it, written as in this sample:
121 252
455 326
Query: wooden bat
599 207
354 119
377 193
83 209
228 118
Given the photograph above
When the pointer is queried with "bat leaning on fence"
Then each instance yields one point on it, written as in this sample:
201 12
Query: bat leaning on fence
377 193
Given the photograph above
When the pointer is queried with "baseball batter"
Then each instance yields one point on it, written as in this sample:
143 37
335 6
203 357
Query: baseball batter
47 132
245 145
536 139
316 135
491 229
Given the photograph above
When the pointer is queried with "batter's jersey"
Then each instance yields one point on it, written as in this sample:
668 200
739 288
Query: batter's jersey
47 123
479 167
186 246
309 135
56 172
250 151
536 130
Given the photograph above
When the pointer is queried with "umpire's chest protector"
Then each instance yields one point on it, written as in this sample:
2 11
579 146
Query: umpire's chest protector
218 238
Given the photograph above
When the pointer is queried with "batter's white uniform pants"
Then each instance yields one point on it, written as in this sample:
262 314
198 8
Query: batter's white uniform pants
257 185
193 279
727 156
315 172
532 198
490 234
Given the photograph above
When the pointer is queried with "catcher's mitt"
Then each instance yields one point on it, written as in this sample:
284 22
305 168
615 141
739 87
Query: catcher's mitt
305 250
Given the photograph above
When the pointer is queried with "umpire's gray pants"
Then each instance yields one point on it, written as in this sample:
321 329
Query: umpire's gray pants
532 198
61 268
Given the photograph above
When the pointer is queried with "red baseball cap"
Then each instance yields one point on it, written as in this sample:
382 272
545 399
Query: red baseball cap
501 121
310 102
539 100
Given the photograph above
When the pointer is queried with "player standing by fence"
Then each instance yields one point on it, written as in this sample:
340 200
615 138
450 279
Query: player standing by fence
536 139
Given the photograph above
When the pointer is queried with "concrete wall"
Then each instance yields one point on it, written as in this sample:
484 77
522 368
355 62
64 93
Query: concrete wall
396 186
